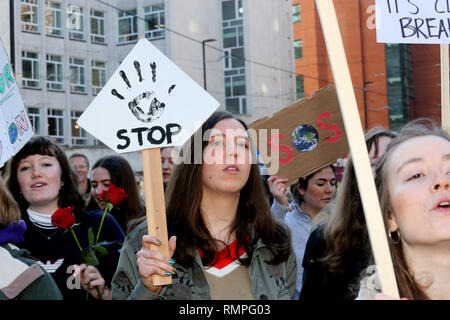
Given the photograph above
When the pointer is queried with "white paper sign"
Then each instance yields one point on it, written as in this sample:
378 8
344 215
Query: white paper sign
148 103
413 21
15 127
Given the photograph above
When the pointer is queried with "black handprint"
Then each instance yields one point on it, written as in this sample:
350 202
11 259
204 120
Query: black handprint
155 108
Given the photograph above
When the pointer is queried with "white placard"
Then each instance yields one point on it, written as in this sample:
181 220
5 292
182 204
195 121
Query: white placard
148 103
15 127
413 21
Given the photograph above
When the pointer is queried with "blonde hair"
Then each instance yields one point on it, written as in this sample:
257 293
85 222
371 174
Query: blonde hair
407 284
9 210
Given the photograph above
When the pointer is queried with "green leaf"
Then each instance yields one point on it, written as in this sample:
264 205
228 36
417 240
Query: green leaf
89 258
102 251
91 237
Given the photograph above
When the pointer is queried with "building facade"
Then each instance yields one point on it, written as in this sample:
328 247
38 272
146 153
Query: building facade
393 83
65 50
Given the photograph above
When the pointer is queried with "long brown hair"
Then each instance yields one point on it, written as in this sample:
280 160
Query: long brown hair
346 227
9 210
407 284
68 194
253 220
122 176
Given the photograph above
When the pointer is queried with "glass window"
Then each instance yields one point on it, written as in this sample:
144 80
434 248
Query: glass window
75 22
30 69
154 22
34 114
54 72
298 48
296 16
98 76
300 85
77 84
97 26
29 15
53 18
127 26
55 120
234 56
79 136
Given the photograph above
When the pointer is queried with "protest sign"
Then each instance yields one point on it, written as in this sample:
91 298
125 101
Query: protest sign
353 127
15 127
307 136
147 104
413 21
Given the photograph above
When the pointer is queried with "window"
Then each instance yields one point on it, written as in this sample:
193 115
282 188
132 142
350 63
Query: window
154 22
296 16
298 49
54 72
127 26
34 115
234 56
29 15
97 26
77 84
30 69
79 136
53 18
55 120
75 23
300 85
98 76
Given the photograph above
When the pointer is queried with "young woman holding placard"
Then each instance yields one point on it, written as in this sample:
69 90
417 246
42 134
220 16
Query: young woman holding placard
312 194
225 243
413 184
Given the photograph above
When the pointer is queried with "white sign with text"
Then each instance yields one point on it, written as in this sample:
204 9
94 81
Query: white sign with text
15 127
413 21
149 102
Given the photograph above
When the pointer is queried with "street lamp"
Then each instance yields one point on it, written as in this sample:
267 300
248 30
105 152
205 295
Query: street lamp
204 63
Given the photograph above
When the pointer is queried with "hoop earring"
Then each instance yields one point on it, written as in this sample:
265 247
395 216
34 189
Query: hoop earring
394 236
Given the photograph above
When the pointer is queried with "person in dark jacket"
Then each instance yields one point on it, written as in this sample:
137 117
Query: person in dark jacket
20 277
43 183
338 250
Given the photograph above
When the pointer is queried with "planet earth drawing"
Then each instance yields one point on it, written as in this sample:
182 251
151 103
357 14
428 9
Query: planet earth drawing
13 132
305 138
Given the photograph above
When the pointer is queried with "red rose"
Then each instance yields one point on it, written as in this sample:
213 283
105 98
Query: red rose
114 195
63 218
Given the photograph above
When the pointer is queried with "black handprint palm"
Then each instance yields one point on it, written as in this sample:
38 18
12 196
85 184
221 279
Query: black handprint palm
155 109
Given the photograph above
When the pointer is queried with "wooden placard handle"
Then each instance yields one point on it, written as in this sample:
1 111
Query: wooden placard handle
155 206
355 135
445 89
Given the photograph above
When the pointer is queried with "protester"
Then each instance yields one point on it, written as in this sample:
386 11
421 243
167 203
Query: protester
117 171
80 164
312 194
217 216
44 186
167 164
21 278
339 249
413 184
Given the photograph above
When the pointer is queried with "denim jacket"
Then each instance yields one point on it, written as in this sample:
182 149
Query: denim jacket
271 282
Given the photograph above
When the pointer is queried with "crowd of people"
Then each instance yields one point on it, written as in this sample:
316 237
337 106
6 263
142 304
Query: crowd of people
68 231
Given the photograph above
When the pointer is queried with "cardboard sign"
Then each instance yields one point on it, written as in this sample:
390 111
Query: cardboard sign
15 127
148 103
413 21
306 136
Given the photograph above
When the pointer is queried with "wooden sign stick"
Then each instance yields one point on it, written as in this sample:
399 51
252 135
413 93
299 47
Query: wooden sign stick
445 88
155 205
358 148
